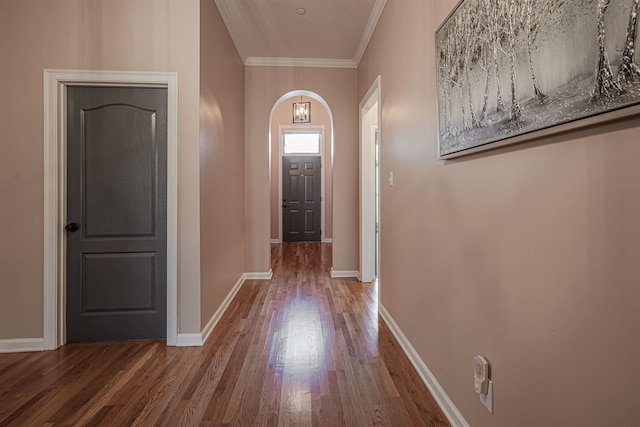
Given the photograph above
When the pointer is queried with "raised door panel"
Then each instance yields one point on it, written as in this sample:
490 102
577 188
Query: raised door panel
309 221
118 282
119 171
309 189
294 195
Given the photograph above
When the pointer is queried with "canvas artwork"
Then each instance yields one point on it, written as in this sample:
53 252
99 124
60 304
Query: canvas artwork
512 67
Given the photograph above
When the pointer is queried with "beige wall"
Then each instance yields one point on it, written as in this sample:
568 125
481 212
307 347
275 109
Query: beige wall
528 254
263 87
139 35
283 116
221 161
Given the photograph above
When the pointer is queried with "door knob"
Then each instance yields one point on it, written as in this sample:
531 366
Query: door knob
72 226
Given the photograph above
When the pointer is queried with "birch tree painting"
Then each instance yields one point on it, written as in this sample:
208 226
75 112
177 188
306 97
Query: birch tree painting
511 67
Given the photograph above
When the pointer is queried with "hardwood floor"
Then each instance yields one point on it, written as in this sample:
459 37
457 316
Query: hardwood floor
299 350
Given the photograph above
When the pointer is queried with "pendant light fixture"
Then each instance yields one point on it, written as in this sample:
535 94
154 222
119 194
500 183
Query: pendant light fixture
301 112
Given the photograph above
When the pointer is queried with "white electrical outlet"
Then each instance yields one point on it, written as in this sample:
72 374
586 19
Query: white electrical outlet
391 179
487 399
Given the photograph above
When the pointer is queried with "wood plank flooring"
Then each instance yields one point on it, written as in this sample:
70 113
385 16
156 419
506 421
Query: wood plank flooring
299 350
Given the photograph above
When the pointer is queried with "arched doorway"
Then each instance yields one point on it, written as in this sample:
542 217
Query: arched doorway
280 127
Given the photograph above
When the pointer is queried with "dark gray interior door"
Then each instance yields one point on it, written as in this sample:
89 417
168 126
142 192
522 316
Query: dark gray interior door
116 213
301 201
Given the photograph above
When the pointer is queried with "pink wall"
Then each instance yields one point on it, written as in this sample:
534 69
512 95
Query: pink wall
221 161
319 117
263 87
527 254
139 35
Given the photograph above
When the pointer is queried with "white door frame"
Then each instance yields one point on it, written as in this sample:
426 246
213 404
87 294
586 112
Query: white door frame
55 191
367 223
281 130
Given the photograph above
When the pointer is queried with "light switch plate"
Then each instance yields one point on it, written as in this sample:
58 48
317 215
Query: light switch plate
487 399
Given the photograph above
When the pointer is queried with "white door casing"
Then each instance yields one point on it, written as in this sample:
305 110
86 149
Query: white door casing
55 83
367 224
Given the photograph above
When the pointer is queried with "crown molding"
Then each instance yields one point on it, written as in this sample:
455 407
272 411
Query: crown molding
254 61
376 12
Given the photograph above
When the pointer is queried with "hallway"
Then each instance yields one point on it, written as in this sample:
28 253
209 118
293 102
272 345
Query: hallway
301 349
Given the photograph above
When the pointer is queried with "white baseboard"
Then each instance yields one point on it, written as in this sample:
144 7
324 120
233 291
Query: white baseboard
275 240
198 339
208 328
259 276
446 404
335 274
189 340
21 345
183 340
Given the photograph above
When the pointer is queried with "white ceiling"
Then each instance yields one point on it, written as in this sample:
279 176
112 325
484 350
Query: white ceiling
332 33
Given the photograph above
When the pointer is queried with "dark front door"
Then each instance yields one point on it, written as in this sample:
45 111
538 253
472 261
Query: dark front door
301 202
116 213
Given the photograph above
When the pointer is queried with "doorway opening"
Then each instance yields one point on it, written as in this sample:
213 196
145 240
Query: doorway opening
303 141
370 184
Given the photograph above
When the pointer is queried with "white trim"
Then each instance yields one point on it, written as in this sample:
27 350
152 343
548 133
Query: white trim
446 404
208 328
275 240
258 61
376 12
336 274
189 340
21 345
259 276
368 203
282 129
55 82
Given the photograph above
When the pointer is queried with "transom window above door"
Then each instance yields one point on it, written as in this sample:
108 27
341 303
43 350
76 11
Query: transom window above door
297 142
